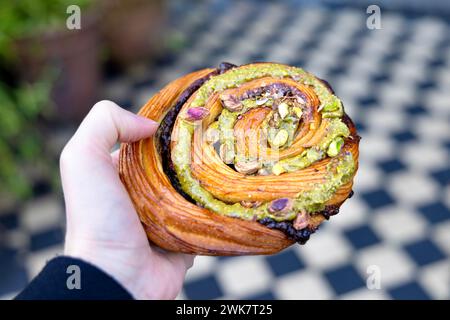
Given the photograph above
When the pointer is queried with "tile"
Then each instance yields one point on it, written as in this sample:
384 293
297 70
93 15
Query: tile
435 212
324 250
46 238
437 101
202 265
400 92
369 100
413 155
381 77
17 239
432 128
244 276
284 262
446 196
266 295
376 145
442 176
378 198
365 294
409 291
385 119
404 136
402 72
416 110
435 279
353 212
344 279
368 177
303 285
360 125
447 144
399 224
424 252
395 266
443 76
13 272
392 165
42 213
203 288
441 236
362 236
364 65
412 187
34 262
348 86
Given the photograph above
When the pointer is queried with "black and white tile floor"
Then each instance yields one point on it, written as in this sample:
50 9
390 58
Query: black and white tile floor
395 83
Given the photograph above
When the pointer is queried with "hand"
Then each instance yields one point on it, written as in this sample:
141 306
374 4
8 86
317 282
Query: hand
103 227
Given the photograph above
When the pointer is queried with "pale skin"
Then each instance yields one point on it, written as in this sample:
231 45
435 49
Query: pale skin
103 227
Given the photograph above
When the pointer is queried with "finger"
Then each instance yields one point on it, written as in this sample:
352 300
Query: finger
107 123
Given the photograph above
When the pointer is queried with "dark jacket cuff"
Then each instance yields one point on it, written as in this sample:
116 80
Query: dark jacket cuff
67 278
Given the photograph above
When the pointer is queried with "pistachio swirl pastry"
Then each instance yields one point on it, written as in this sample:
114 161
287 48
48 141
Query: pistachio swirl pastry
247 160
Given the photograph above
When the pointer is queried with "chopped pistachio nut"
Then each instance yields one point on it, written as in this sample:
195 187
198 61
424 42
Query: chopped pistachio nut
333 114
298 111
280 138
261 101
277 169
335 146
336 129
247 167
333 106
283 109
313 154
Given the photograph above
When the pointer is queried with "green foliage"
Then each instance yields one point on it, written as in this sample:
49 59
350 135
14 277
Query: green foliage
22 18
23 106
21 140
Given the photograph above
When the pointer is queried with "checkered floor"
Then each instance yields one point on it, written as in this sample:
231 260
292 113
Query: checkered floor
395 84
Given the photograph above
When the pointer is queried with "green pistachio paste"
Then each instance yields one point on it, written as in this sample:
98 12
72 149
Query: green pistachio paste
340 169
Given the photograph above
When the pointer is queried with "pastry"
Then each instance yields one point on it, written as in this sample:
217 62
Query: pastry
247 160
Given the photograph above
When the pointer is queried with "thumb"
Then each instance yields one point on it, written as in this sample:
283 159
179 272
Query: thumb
107 124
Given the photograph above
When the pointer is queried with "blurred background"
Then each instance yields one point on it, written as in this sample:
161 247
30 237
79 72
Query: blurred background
394 81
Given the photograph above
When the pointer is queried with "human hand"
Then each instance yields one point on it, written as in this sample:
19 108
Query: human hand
103 227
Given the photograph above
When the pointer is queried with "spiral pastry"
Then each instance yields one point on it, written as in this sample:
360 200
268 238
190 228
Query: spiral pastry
247 160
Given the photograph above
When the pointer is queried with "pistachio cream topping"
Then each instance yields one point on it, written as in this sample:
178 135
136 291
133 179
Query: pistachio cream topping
287 111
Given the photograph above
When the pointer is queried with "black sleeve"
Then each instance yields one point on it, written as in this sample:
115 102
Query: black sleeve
65 278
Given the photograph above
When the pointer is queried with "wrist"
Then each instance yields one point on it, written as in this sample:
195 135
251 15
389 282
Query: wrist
117 263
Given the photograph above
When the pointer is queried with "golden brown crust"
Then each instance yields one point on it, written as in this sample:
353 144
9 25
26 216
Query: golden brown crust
175 224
